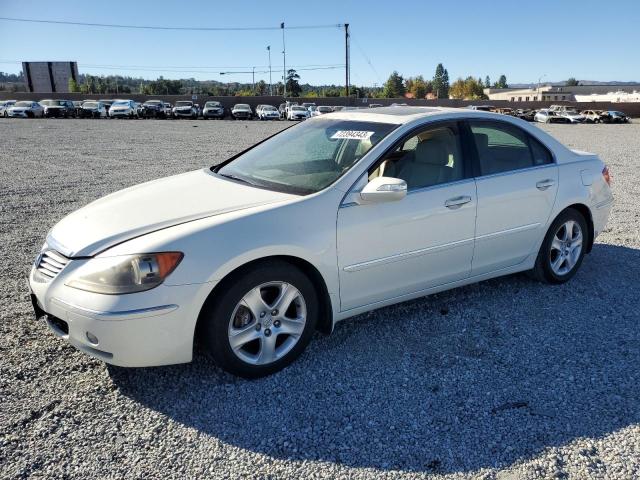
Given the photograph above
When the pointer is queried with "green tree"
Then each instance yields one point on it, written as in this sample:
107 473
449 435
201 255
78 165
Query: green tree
261 88
293 86
467 89
441 82
417 86
487 82
572 82
73 85
394 86
502 82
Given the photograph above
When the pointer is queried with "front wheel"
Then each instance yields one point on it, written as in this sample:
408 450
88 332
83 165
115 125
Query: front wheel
261 321
563 248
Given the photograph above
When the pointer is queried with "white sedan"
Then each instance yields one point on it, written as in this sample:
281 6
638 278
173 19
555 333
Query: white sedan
342 214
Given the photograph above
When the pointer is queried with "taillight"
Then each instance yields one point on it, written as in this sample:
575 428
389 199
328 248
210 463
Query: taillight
606 175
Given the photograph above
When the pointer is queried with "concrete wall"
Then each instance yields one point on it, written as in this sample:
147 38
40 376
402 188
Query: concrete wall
631 109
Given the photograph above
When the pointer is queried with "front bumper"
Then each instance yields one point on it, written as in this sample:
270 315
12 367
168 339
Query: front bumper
213 114
144 329
121 113
186 114
19 114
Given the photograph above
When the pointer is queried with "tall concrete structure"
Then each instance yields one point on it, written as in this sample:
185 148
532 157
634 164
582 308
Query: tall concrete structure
49 77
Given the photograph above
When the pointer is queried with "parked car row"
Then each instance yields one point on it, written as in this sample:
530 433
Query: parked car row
559 114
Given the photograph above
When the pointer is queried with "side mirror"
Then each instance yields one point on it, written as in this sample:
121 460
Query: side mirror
383 189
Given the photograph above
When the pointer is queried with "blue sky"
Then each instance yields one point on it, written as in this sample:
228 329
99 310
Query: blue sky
586 39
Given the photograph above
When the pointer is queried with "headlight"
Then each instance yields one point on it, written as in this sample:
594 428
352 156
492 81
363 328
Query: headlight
125 273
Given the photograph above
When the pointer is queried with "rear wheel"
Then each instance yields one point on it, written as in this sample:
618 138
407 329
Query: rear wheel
563 248
261 321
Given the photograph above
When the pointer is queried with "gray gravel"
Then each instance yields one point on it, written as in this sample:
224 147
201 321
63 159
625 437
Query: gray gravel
507 379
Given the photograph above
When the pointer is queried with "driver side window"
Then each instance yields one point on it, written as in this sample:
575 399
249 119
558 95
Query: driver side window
430 157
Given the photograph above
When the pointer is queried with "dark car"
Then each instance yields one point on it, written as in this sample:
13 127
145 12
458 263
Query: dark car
58 108
153 109
618 117
525 114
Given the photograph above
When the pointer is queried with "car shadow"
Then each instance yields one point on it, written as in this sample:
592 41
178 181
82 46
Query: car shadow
482 376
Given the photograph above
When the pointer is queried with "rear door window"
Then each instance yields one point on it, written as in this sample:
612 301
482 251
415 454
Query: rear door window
503 147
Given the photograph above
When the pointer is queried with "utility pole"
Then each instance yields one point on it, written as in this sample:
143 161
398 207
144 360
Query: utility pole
253 79
346 55
270 84
284 62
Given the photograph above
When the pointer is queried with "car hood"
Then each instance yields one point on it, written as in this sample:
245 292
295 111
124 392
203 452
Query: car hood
153 206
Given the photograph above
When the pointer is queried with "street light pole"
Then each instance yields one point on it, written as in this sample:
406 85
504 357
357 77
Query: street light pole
284 62
270 84
253 79
541 77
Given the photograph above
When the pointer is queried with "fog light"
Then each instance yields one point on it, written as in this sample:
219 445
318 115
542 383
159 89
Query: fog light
92 338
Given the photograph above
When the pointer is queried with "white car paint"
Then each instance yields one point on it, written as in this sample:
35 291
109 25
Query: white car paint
368 255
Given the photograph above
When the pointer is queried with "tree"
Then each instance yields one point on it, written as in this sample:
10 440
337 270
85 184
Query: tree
441 82
261 88
572 82
501 83
394 86
293 86
467 89
487 82
417 86
73 85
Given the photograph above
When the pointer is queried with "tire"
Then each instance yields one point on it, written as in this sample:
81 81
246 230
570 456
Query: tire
261 350
550 266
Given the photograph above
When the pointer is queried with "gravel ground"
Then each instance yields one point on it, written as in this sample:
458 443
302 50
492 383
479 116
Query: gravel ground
507 379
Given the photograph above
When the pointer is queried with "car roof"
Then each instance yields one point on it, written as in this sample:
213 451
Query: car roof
405 114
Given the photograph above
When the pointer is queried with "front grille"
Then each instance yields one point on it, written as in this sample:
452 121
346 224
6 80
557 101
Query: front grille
50 263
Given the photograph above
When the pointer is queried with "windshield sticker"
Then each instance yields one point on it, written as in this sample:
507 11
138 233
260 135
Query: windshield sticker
352 135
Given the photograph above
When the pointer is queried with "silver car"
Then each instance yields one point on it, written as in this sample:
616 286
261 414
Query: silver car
4 107
26 109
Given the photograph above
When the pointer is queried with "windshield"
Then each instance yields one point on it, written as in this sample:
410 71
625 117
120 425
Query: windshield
121 104
308 157
212 104
183 104
269 108
153 102
23 104
298 109
242 106
90 105
324 109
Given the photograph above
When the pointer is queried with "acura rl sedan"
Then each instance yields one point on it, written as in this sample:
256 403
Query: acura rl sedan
338 215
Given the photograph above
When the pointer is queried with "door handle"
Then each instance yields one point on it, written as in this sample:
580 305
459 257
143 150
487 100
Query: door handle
457 202
544 184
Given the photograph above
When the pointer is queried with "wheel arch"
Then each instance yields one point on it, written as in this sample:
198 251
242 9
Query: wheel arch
325 318
586 213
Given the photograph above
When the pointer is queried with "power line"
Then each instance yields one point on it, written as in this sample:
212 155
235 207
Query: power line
157 27
362 52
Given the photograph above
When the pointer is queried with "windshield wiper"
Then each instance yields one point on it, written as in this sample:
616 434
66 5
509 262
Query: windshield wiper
238 179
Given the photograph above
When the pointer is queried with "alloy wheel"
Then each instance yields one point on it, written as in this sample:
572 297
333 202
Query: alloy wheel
566 247
267 323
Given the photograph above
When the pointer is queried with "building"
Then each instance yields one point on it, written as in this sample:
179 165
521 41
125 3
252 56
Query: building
49 77
613 97
551 93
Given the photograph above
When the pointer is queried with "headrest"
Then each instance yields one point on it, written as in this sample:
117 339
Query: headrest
431 152
482 140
